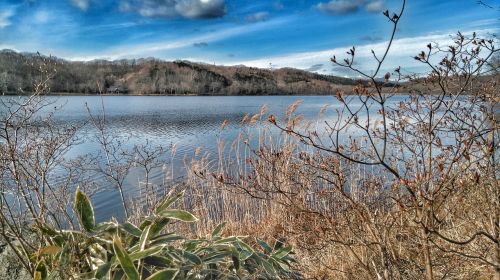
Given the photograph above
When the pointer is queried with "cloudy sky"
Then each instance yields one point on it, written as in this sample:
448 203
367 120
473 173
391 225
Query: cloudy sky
301 33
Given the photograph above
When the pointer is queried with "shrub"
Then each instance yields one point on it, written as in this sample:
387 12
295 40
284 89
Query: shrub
110 250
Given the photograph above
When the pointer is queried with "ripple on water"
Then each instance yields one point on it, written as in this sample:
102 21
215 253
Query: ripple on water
188 122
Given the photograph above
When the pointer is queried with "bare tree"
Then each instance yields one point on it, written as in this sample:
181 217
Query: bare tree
405 185
32 150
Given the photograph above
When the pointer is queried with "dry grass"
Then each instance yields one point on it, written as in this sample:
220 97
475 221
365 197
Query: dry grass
340 217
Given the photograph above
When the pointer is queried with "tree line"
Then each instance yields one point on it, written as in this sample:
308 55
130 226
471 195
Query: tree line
19 71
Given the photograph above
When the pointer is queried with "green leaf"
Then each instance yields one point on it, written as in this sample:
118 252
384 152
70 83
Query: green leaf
243 245
166 238
103 270
174 255
192 257
47 230
192 245
178 215
283 251
147 221
131 229
268 267
279 243
217 230
225 247
226 240
166 274
84 210
124 259
216 257
146 253
64 257
158 261
41 269
265 246
59 240
157 226
118 275
167 202
143 240
244 255
285 266
106 226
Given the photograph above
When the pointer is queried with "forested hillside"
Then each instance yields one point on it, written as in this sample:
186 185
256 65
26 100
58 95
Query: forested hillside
18 71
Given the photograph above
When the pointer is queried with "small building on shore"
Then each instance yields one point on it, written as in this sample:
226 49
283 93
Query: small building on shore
116 90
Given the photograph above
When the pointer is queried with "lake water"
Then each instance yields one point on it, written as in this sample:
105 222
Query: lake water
188 122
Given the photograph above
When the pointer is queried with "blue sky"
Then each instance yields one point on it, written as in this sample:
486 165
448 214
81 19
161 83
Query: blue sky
301 33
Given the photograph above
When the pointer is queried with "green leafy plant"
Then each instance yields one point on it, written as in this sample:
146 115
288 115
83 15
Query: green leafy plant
111 250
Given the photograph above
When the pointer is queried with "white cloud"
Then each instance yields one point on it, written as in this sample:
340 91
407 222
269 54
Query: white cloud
81 4
151 8
5 17
485 22
401 54
193 9
374 6
201 8
39 30
343 7
41 16
8 47
278 6
157 48
257 17
315 67
339 7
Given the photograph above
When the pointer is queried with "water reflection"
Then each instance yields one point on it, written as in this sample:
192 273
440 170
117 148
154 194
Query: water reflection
186 122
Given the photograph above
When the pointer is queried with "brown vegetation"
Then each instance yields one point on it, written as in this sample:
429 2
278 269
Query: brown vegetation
381 191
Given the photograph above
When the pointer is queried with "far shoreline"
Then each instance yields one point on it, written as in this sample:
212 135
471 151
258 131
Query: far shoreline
200 95
178 95
154 94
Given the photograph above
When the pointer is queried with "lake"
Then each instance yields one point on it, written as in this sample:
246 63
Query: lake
188 122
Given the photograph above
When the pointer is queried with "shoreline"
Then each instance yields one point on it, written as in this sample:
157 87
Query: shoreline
201 95
177 95
153 94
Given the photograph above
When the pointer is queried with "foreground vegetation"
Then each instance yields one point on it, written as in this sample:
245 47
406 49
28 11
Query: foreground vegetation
379 191
110 250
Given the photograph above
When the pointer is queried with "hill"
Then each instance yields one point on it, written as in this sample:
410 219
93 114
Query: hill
18 71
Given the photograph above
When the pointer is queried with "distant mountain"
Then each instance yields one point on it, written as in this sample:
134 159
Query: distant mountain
19 71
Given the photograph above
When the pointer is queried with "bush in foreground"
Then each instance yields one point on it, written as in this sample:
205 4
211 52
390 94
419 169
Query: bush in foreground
110 250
